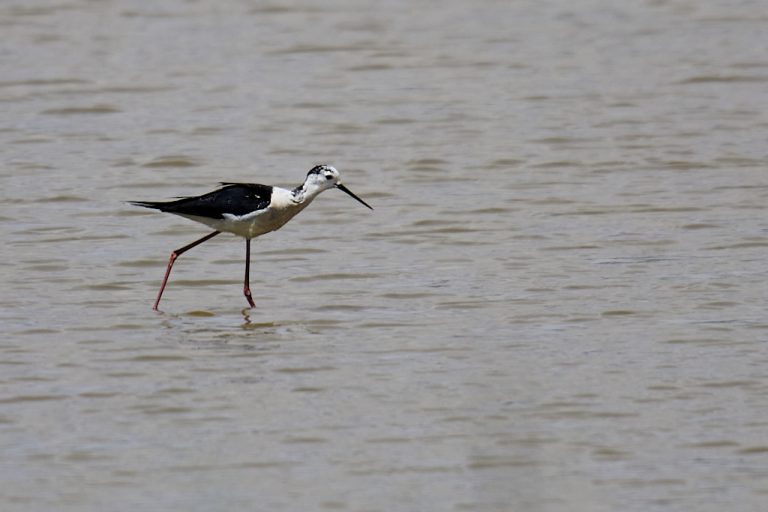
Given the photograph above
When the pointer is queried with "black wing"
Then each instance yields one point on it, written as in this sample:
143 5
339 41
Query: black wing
232 198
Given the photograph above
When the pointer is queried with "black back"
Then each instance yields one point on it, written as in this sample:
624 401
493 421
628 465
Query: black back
232 198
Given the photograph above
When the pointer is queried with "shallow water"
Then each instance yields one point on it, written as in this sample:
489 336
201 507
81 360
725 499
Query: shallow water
557 304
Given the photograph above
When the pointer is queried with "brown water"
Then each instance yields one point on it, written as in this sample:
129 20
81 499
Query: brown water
557 305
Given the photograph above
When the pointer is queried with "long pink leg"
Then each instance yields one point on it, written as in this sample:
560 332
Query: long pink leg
247 285
175 254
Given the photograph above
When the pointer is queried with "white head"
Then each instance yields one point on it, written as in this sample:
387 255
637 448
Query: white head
323 177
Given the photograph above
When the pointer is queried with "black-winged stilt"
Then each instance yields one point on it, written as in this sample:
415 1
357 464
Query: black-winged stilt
247 210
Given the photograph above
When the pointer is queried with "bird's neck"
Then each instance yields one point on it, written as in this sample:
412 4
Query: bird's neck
305 193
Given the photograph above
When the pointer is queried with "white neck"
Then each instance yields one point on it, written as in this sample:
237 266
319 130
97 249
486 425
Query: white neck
306 193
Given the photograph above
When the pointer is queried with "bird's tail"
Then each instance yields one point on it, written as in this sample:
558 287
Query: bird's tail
148 204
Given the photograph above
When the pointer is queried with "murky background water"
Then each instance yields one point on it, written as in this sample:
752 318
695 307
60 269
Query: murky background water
558 303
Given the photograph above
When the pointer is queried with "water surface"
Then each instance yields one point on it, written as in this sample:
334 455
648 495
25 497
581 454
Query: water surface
557 304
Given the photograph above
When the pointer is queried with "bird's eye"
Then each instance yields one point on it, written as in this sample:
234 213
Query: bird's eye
328 177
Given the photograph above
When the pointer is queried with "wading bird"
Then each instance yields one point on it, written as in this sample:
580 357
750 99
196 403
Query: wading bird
247 210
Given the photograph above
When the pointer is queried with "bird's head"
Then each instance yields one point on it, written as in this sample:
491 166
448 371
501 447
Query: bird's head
323 177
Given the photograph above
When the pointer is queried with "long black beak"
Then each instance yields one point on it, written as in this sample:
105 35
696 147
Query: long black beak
345 189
